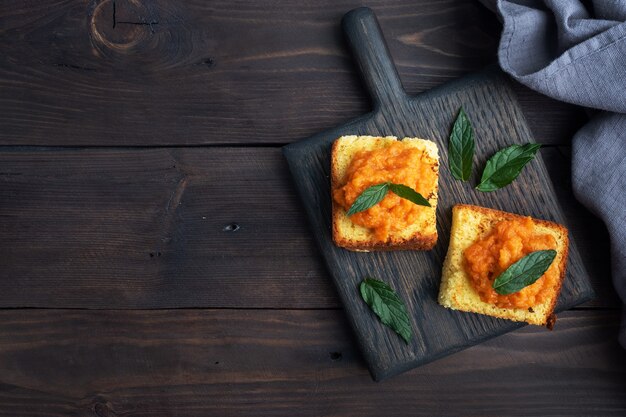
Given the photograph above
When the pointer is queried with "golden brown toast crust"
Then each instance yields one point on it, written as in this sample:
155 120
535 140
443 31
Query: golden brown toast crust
499 215
417 241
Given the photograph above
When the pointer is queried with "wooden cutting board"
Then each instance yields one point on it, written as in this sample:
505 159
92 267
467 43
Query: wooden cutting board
416 275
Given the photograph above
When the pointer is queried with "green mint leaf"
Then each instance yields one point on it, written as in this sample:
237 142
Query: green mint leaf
374 195
408 193
369 197
386 304
524 272
506 165
461 147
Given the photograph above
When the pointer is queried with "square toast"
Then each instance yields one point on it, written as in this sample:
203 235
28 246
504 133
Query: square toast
470 223
420 235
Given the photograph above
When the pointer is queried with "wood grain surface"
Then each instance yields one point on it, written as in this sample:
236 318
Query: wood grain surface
163 72
155 228
416 275
260 362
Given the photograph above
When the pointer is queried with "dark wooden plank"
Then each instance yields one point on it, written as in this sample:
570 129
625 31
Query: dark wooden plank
69 77
260 362
78 228
155 228
498 122
169 72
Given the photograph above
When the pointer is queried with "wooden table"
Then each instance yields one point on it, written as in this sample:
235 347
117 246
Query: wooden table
155 259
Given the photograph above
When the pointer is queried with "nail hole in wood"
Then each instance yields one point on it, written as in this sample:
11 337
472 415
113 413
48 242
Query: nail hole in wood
233 227
336 356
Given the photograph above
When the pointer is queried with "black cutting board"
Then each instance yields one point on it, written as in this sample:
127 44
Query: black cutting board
415 275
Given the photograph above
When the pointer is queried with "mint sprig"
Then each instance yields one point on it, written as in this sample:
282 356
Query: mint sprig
461 147
524 272
505 166
386 304
375 193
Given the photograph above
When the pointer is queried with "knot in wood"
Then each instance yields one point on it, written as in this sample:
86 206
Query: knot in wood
123 26
103 410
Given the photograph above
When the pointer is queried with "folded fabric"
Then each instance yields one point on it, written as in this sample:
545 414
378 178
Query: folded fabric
576 52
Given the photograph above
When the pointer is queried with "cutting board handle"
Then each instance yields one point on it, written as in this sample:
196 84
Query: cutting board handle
372 56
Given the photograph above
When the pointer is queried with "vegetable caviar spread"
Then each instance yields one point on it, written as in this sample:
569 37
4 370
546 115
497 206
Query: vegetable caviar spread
508 242
396 163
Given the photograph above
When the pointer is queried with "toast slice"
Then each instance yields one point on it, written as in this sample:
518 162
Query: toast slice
470 223
419 235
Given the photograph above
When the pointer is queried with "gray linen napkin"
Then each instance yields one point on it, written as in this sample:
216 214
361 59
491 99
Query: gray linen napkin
575 51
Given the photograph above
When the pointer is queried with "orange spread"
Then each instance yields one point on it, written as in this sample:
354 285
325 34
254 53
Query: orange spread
396 163
508 242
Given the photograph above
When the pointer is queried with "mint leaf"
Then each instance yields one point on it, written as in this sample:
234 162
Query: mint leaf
524 272
384 301
408 193
461 147
371 196
506 165
374 195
